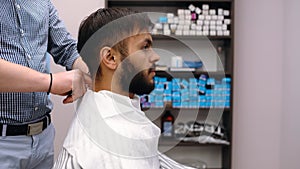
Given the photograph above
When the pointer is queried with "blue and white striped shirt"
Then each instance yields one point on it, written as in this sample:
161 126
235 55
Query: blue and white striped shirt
28 30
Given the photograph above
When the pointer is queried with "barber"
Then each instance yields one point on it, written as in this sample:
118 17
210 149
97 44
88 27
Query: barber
28 31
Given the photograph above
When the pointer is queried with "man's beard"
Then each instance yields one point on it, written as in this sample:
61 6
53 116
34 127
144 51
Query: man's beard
139 85
133 82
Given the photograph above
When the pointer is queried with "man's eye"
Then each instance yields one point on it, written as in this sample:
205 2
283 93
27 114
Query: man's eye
146 47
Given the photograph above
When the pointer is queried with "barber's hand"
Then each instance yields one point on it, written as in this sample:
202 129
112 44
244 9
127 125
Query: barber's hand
81 65
72 84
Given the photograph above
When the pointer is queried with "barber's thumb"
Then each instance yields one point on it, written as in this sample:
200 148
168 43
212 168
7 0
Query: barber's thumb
68 99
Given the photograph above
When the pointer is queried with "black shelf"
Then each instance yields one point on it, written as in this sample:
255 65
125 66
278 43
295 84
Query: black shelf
168 142
152 1
175 37
170 3
141 5
200 109
194 74
197 71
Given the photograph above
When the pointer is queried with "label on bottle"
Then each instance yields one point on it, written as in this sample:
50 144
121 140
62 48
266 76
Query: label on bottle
168 128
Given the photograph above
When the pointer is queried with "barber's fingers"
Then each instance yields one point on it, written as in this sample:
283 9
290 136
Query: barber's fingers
68 99
80 83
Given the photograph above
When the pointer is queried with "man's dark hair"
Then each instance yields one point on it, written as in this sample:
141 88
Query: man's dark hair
108 27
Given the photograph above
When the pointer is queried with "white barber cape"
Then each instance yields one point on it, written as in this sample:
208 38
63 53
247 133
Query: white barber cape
110 131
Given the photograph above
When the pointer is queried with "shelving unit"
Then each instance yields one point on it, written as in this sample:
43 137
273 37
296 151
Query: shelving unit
217 156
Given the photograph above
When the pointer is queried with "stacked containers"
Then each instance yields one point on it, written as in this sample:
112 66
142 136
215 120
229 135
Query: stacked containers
195 21
203 92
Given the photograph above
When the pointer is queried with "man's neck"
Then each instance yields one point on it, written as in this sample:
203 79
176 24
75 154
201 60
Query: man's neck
106 85
121 92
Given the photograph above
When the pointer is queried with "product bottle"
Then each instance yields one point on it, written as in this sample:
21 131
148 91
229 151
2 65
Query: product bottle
222 61
167 122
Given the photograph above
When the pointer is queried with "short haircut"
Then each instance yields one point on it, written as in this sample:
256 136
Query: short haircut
108 27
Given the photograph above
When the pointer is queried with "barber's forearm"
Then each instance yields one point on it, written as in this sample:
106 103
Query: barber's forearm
17 78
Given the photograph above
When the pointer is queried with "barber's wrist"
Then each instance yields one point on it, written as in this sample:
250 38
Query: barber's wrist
50 84
75 63
41 83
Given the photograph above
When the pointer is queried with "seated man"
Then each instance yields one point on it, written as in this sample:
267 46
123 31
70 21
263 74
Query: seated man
110 131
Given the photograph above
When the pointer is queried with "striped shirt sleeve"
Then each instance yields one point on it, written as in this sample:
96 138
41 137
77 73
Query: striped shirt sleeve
61 45
66 161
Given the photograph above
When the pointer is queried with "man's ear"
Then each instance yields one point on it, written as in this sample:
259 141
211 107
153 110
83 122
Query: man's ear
107 57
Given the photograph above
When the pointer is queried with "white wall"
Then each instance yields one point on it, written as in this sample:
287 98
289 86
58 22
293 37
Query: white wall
72 13
257 84
290 135
266 127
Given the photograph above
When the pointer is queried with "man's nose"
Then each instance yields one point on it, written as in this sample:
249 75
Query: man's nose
154 57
